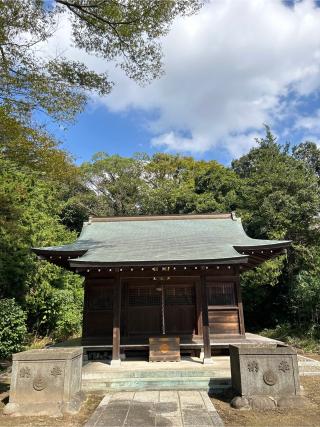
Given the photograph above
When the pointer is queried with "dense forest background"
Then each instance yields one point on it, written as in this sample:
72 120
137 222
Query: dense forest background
45 196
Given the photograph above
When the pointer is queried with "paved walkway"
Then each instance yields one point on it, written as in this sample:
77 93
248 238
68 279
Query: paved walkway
155 408
308 367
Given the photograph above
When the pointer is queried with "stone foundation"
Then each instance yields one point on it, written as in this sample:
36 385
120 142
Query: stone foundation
265 377
46 382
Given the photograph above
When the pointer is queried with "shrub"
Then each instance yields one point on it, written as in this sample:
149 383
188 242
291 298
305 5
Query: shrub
13 329
54 303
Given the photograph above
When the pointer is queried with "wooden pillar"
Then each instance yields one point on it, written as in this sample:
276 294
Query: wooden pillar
85 312
205 320
116 321
240 305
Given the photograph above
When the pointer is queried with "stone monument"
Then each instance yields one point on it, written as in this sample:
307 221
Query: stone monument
46 382
265 376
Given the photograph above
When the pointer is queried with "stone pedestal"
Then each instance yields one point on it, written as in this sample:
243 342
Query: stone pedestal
264 375
46 382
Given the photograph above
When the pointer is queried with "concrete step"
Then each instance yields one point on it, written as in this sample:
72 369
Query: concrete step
113 374
191 383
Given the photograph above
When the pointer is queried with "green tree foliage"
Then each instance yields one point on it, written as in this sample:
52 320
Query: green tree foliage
280 196
280 199
13 328
309 153
126 33
170 184
54 302
33 148
29 217
160 184
115 183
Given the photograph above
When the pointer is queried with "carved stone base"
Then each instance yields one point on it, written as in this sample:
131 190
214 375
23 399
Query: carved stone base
268 403
50 409
46 382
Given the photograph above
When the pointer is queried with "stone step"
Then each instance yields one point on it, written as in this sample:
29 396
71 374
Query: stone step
159 383
148 373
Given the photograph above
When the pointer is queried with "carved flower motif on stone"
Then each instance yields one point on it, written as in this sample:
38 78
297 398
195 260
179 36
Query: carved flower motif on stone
56 371
39 383
253 366
270 378
284 366
25 372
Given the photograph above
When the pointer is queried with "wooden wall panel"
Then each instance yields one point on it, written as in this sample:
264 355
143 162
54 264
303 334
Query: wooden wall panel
144 320
223 300
180 319
99 324
224 321
98 308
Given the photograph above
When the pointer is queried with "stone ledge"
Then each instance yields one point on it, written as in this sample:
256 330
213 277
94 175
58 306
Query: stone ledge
48 354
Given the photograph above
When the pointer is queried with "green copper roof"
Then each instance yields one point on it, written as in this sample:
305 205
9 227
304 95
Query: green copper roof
142 240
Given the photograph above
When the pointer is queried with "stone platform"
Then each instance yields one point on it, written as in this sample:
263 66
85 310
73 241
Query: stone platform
156 408
188 374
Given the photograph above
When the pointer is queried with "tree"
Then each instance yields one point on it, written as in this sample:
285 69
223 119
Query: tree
13 328
112 185
280 199
169 185
35 149
280 195
218 188
309 153
124 32
29 217
160 184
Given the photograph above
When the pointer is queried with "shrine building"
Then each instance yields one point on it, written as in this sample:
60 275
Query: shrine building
170 276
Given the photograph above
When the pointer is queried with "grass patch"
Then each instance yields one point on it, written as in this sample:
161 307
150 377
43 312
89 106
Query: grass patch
303 339
36 343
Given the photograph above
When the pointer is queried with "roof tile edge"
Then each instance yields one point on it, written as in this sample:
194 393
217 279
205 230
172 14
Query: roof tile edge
160 217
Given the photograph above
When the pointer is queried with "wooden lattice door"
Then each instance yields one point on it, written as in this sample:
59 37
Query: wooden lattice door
143 310
180 309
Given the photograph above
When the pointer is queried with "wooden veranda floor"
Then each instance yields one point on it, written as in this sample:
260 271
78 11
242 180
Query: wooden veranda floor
216 343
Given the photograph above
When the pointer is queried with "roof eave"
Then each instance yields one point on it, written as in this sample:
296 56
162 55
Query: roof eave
44 252
285 244
243 259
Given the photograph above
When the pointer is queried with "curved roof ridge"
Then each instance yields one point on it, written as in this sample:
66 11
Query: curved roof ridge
161 217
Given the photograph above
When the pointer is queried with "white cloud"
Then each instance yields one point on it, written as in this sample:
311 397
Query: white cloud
229 69
313 138
172 140
309 123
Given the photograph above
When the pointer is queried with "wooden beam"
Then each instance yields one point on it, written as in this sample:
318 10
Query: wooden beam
205 319
116 321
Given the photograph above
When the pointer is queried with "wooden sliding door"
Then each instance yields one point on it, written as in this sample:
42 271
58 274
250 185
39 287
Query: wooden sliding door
180 309
153 307
143 307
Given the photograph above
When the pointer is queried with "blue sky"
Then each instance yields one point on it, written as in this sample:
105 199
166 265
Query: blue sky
232 67
125 134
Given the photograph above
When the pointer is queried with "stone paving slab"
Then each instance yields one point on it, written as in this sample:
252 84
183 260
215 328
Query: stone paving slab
155 409
308 367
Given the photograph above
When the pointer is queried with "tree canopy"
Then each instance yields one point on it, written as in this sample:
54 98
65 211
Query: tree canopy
126 33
